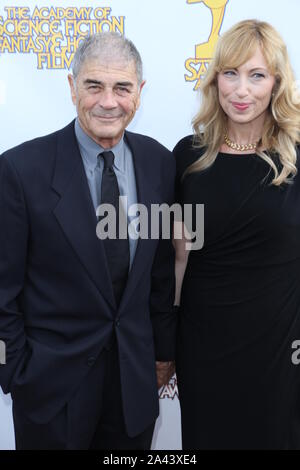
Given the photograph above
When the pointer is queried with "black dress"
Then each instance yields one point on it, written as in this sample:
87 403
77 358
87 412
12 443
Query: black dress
240 307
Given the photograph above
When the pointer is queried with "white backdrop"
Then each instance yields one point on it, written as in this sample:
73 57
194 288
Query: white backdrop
34 99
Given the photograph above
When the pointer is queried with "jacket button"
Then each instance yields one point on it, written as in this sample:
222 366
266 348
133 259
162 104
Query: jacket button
91 361
117 323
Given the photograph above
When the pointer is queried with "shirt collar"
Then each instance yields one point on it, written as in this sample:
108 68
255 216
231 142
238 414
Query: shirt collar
90 149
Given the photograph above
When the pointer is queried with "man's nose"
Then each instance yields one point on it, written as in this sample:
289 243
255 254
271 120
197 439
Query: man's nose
107 99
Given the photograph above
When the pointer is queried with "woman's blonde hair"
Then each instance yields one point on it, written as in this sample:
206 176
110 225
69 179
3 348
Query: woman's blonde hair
282 126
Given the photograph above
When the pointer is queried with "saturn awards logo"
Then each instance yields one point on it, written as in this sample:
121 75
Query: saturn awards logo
197 66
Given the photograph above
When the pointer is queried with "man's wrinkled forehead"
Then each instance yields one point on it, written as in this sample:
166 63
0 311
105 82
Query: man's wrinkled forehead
108 66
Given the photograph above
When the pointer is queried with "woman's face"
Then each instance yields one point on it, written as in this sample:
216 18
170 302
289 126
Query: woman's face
245 92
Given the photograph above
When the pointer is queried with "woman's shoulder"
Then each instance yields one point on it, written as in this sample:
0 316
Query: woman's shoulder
186 152
184 144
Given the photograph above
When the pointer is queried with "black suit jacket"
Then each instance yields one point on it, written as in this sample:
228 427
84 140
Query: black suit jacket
57 308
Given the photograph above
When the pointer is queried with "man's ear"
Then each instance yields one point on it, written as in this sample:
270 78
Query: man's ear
71 81
139 93
142 86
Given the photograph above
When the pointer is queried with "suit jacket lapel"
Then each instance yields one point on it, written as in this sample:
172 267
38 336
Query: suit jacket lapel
75 212
147 194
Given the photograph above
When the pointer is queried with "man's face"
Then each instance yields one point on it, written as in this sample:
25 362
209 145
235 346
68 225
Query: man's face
106 96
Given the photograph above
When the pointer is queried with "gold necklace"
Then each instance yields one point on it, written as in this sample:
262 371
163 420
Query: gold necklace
239 147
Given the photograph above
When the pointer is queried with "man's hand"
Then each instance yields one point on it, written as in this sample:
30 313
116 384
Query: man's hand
164 371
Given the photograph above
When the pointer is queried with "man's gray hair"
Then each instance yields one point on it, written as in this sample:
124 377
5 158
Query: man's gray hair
107 47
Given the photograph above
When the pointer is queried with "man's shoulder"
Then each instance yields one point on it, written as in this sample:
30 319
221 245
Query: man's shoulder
35 150
155 157
146 141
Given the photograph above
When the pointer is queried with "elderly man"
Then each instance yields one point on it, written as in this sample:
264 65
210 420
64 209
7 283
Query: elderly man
84 318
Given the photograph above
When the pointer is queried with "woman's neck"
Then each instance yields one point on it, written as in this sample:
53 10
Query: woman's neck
244 133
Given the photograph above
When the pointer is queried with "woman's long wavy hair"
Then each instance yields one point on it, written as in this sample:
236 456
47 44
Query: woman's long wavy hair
281 130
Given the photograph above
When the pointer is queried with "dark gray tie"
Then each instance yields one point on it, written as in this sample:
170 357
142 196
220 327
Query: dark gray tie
117 250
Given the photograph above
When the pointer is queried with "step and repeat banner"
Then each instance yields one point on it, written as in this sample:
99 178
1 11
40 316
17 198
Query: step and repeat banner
176 39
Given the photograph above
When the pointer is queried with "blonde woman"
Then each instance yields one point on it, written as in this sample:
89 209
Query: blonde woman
240 295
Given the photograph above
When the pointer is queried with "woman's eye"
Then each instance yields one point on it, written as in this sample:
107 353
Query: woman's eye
229 73
258 75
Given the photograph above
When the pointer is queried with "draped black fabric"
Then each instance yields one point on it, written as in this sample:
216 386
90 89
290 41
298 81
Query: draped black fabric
240 306
116 249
